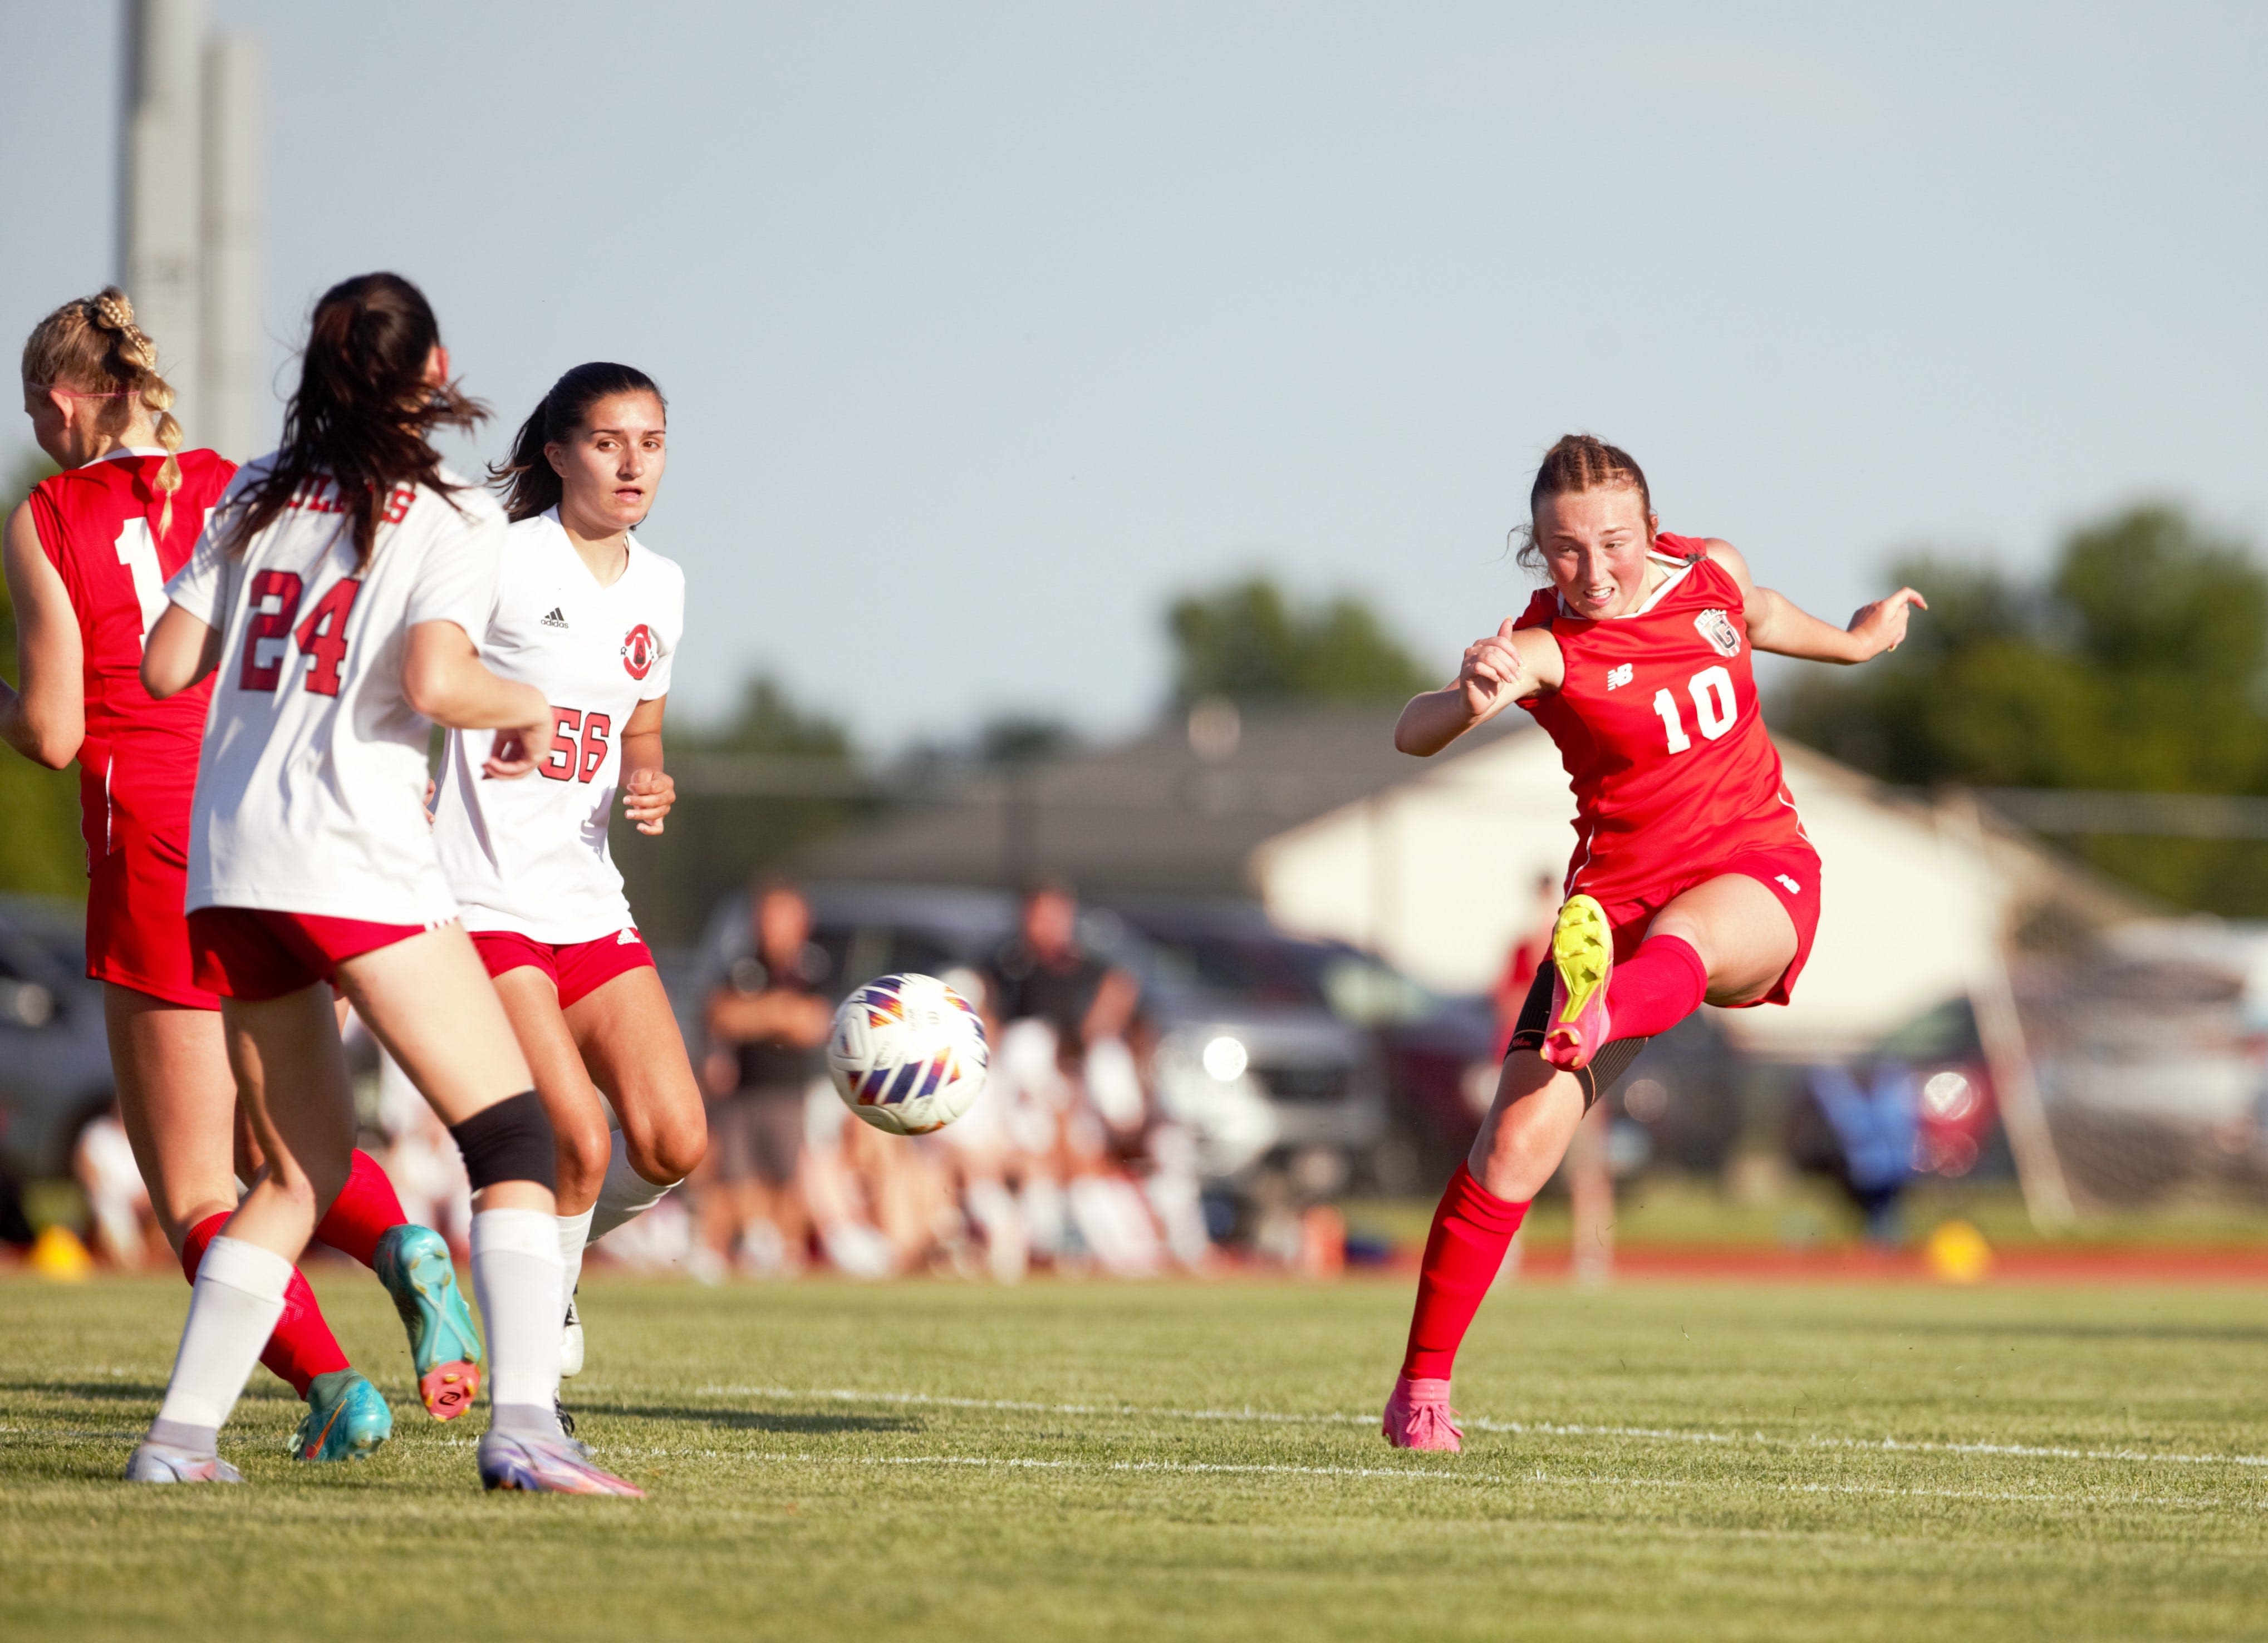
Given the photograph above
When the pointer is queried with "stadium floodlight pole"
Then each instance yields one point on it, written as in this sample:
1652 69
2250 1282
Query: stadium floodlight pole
2001 1029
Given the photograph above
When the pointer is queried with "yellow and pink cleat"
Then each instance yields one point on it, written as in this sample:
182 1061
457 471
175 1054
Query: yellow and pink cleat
1582 964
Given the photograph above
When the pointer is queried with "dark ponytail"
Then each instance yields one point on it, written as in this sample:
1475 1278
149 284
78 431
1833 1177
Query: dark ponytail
363 410
530 484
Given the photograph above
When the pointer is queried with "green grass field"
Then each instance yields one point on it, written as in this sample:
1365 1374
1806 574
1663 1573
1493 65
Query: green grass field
933 1460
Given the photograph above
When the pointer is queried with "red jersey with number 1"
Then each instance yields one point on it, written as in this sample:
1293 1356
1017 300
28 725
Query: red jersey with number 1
1658 726
99 527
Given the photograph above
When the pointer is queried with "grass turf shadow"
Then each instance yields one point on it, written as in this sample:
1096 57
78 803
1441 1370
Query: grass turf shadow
110 1391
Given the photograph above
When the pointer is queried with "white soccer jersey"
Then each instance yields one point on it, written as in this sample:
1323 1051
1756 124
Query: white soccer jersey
310 785
531 856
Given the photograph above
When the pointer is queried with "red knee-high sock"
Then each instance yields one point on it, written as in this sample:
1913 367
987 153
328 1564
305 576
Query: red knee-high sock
302 1347
1472 1229
366 1210
1663 983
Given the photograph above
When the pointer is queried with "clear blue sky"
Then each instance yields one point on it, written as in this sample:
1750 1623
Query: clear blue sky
987 328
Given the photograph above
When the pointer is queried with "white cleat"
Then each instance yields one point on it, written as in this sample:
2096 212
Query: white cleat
570 1342
546 1466
162 1463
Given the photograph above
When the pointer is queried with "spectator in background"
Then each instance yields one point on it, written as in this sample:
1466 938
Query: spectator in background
1076 1100
126 1229
1874 1124
1043 974
768 1024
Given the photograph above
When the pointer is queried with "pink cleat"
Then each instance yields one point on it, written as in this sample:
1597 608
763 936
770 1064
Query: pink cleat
1582 963
1418 1417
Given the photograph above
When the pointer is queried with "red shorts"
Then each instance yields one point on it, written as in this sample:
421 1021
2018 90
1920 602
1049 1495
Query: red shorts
252 953
1790 871
136 935
577 969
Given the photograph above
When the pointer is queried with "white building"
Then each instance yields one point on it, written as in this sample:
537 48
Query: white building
1438 873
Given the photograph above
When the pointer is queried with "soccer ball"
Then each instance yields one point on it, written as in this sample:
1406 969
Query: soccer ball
907 1055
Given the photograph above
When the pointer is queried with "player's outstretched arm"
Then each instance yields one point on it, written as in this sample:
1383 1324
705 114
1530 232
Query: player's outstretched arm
46 719
443 677
1777 625
180 650
1496 671
647 790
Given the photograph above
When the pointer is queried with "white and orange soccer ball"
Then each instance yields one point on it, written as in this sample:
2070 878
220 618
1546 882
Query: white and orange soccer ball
907 1053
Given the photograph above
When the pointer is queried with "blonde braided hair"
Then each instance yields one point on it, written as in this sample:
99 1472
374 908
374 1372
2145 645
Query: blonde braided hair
92 345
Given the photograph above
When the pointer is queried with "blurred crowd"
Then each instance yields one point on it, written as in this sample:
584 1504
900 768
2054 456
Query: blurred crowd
1064 1165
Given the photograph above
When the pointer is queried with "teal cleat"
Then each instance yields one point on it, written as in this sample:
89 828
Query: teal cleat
346 1418
413 1264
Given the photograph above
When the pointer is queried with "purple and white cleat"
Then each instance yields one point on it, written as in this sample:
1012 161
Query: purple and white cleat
512 1460
162 1463
1418 1417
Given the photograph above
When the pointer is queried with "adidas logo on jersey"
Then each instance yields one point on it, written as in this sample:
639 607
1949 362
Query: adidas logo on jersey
1620 675
556 618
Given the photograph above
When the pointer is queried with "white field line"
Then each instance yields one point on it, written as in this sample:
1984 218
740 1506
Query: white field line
1539 1428
1013 1463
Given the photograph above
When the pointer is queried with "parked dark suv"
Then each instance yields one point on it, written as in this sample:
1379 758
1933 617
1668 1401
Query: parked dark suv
54 1054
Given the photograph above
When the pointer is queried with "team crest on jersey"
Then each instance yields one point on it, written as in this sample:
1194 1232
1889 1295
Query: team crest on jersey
1717 629
638 650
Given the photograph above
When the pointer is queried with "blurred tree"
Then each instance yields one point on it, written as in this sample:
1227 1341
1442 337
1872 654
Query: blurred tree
1024 739
714 844
1248 642
2136 663
41 848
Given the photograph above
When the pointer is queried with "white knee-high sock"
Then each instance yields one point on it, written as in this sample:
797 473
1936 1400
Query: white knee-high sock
233 1310
516 1275
625 1195
574 1238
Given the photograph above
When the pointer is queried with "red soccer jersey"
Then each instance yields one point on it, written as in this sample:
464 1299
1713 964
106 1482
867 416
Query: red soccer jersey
1658 726
98 525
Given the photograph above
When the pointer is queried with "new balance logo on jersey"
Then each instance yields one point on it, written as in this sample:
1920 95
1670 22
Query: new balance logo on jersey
1619 675
1794 889
556 618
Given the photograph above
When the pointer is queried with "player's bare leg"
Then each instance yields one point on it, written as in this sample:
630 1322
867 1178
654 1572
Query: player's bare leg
627 1044
178 1099
430 1002
1741 931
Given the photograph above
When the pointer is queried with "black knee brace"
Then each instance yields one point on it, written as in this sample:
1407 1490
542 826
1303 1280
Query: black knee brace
511 1140
1610 1064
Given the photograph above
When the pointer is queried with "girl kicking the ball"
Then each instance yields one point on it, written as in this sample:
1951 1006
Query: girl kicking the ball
1692 881
590 616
